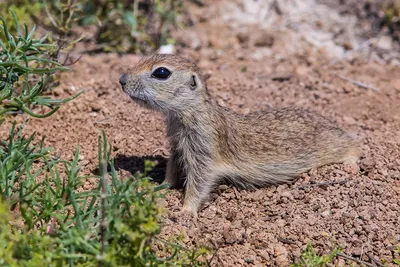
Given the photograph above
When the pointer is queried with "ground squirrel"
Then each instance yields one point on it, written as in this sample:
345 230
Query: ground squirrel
210 143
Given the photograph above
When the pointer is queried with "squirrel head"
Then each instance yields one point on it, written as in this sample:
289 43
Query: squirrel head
167 83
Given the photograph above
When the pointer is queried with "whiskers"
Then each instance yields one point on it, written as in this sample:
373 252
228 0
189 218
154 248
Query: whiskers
125 67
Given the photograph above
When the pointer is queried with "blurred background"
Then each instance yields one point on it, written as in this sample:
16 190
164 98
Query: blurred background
145 26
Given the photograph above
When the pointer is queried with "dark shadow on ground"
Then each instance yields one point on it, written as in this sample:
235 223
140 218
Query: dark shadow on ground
133 164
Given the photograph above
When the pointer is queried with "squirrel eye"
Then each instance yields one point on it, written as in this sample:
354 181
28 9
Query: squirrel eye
161 73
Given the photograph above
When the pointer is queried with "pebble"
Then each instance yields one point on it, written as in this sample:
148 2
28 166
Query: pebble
95 106
281 255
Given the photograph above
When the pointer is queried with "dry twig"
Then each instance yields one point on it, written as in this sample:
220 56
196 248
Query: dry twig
276 77
213 255
347 54
378 263
357 83
286 241
105 121
344 256
276 7
322 184
52 20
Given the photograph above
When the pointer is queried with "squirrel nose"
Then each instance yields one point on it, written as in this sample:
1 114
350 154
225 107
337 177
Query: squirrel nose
123 79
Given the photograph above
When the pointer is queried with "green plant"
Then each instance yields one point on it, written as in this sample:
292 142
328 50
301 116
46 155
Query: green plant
25 71
120 26
113 224
16 160
60 20
168 12
397 256
24 10
62 15
309 258
392 18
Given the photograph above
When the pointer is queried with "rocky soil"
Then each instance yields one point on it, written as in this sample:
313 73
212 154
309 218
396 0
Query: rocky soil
263 54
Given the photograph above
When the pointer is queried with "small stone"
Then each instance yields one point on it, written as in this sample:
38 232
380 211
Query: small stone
384 172
280 223
192 232
95 106
264 255
341 262
225 96
372 213
258 195
167 49
355 252
243 37
246 111
195 42
223 187
349 120
351 167
240 55
326 213
221 102
280 250
384 42
367 163
70 90
57 91
248 260
263 38
347 45
231 215
229 235
281 255
287 194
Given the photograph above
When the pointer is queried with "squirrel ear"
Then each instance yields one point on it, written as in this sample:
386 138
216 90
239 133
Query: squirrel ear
193 82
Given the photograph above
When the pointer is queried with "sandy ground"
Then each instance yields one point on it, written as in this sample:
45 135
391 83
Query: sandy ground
272 64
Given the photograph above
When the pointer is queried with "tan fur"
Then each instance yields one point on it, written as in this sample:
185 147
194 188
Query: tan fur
210 143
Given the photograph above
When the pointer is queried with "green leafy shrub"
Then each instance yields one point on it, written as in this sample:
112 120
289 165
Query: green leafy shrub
113 224
392 18
25 10
397 256
25 71
120 26
132 26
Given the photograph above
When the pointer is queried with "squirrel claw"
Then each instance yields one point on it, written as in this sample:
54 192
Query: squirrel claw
187 212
